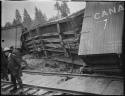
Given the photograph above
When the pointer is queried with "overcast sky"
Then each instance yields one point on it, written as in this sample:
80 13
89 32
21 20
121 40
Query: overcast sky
47 7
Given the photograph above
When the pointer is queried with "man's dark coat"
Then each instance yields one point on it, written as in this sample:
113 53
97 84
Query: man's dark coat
4 65
14 65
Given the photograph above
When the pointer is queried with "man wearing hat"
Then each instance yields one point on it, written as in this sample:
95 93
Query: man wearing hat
14 66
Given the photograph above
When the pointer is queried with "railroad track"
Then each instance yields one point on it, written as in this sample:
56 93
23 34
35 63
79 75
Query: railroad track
73 75
30 89
38 90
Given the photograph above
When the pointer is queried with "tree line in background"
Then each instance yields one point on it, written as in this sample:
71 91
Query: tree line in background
40 18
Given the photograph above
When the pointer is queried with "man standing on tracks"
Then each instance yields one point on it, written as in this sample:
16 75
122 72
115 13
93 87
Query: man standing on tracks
4 64
14 66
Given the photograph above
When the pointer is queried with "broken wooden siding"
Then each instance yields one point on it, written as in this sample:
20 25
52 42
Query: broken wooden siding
60 37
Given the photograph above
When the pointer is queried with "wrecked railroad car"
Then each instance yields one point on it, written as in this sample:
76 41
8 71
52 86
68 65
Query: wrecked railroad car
90 37
101 37
93 36
57 39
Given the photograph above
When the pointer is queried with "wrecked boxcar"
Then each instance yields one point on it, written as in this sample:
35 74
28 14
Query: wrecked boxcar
58 40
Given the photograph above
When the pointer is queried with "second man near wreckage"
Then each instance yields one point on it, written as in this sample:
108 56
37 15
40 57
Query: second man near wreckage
14 66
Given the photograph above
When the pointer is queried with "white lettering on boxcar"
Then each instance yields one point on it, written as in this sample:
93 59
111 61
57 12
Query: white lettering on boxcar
105 22
104 13
121 8
110 11
97 15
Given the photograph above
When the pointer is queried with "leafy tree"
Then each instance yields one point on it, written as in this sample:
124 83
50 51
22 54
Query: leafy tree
14 22
53 18
43 17
27 21
18 17
8 24
40 18
62 9
58 8
36 13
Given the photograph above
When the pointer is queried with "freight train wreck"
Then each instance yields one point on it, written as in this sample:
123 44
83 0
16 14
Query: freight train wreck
79 39
58 40
88 44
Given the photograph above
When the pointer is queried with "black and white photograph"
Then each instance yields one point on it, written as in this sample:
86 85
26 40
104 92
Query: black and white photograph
62 47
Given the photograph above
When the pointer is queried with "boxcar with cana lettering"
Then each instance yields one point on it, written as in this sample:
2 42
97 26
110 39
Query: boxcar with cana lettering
102 33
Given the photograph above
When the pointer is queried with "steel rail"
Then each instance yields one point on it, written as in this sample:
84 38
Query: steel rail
74 75
55 89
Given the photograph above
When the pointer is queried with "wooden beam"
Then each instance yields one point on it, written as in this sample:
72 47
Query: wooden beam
51 40
53 45
54 34
56 50
42 44
32 39
50 34
61 40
